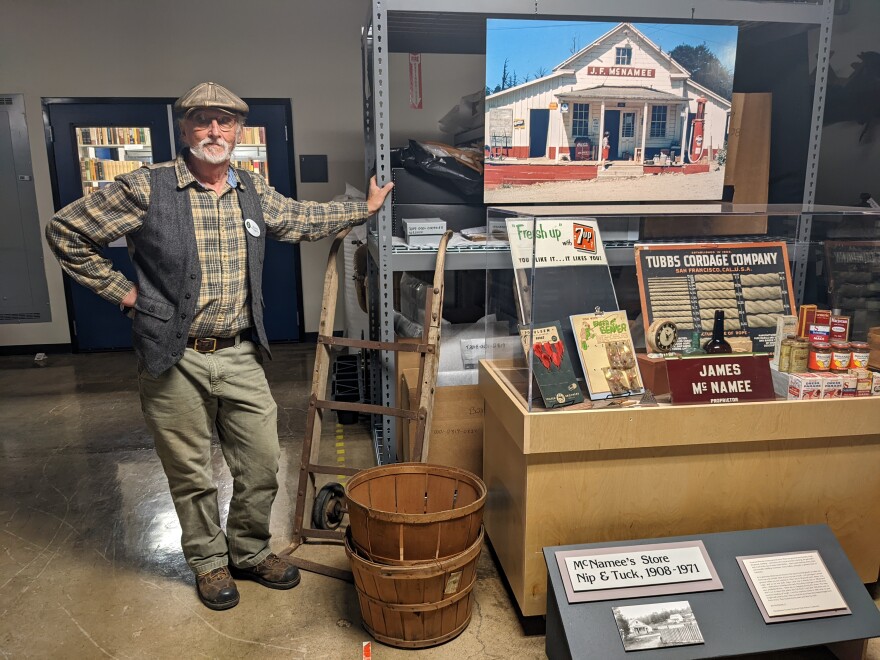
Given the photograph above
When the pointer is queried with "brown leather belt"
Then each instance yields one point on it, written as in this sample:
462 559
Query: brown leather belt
214 344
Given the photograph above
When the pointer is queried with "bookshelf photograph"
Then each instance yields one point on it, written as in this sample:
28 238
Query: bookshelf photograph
105 152
250 154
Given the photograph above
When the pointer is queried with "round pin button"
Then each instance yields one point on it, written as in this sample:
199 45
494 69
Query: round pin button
252 227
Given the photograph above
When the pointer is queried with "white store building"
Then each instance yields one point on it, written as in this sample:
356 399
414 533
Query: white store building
622 84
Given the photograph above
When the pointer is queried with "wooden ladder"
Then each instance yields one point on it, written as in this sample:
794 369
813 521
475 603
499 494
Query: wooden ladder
428 349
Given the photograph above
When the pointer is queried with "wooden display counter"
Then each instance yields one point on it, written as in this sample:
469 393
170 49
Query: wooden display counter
590 476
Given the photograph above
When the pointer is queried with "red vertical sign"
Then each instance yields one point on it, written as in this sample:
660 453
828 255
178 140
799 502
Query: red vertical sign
415 81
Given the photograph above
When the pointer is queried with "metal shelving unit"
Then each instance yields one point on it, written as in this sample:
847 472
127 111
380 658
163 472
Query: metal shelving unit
418 26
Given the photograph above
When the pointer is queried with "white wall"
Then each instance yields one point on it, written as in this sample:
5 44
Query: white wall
306 51
445 79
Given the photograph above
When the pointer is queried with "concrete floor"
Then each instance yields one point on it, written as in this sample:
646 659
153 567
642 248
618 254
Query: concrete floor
90 561
90 564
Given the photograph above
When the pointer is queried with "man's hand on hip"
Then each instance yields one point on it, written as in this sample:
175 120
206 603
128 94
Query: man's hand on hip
376 196
130 297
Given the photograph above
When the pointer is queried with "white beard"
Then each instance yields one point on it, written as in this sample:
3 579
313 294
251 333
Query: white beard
213 157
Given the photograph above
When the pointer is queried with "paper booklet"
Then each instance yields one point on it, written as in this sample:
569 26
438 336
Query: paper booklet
607 354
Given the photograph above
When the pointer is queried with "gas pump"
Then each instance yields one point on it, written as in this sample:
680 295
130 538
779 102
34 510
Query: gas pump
695 146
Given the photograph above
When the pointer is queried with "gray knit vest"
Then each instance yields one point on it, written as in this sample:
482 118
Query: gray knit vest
169 275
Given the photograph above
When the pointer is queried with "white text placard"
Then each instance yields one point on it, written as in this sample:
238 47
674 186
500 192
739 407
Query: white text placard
637 570
792 586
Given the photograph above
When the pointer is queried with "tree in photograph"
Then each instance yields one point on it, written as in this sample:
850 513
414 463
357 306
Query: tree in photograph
662 616
623 624
705 67
508 79
505 75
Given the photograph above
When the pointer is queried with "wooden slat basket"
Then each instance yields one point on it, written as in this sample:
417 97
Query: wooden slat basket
414 512
419 605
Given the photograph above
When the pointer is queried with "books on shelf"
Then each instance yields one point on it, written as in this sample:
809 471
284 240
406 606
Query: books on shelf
258 166
96 169
253 135
113 136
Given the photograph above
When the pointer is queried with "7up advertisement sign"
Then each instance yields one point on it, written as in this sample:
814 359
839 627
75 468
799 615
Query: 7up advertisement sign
555 242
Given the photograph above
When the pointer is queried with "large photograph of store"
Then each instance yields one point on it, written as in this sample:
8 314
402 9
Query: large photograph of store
603 124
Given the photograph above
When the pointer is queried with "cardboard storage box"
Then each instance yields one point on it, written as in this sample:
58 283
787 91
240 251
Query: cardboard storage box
456 426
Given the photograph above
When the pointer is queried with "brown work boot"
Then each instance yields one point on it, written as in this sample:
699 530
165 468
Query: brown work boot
274 572
217 589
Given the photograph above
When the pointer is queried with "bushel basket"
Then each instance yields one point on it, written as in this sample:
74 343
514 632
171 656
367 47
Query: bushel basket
419 605
414 512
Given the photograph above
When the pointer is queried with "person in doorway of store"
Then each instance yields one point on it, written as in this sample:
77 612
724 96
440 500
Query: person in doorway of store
196 229
606 147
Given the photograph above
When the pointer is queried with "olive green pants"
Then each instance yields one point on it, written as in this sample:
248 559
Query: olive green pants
226 390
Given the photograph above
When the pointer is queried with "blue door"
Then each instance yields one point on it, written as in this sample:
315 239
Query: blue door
96 140
282 283
612 128
92 143
539 126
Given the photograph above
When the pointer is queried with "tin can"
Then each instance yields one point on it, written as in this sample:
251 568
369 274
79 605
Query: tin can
800 354
860 352
820 356
840 356
785 349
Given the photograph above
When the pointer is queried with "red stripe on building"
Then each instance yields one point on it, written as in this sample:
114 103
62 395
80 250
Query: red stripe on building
499 174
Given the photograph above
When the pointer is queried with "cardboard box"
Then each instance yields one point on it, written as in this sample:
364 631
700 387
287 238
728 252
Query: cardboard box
840 328
456 426
423 226
806 316
832 386
850 384
804 386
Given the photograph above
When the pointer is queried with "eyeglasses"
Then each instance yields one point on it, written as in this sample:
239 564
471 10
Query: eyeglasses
204 120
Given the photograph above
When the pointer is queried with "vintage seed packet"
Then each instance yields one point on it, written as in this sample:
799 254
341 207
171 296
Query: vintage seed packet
607 354
551 364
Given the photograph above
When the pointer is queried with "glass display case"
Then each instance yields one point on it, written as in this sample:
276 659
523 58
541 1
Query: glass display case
652 279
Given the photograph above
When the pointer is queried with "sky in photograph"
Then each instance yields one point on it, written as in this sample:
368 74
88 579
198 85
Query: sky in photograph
529 44
637 611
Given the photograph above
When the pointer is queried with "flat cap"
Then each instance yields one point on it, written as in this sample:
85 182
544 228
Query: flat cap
210 95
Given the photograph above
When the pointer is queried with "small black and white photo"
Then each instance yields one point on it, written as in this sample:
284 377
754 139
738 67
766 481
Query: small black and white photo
657 625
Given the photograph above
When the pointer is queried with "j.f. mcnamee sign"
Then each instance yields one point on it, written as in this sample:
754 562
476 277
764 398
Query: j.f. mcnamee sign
720 379
622 71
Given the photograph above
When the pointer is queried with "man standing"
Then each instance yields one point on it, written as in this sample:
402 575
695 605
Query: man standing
196 230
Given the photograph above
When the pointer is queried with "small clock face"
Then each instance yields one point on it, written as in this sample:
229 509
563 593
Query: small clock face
662 335
666 336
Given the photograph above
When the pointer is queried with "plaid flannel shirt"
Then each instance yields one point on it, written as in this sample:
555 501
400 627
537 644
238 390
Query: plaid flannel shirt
79 230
